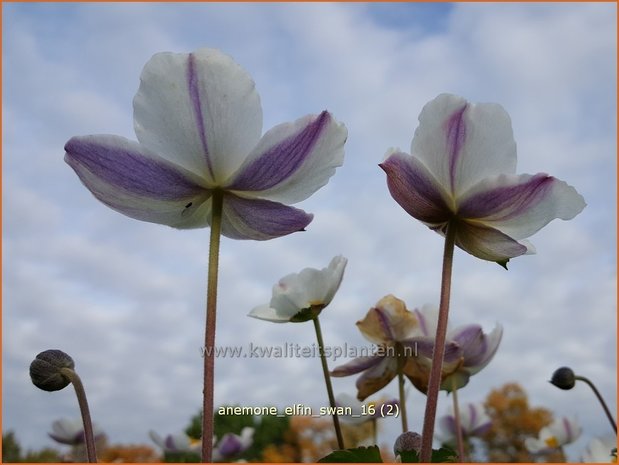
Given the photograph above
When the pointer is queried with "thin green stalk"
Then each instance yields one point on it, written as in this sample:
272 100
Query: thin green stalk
325 370
601 399
80 392
209 331
401 382
459 439
439 347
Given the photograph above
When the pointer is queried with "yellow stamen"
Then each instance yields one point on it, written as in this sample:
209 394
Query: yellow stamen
552 442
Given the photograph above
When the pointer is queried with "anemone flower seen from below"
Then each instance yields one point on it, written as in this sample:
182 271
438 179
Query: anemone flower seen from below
461 173
460 181
300 297
401 350
200 160
477 349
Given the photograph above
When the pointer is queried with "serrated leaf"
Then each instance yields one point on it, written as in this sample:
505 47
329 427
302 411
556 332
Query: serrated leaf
357 455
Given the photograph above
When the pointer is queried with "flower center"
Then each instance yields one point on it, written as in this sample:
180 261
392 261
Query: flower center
552 442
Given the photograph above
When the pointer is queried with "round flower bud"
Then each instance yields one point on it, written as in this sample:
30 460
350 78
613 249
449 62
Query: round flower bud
45 370
407 442
564 378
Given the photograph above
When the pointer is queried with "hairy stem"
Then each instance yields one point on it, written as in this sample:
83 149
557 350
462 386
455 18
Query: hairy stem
209 331
85 411
325 370
439 347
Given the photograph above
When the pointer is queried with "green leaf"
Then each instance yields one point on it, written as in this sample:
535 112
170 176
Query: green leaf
504 263
358 455
442 455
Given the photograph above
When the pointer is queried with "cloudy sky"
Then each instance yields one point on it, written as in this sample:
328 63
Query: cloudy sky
125 299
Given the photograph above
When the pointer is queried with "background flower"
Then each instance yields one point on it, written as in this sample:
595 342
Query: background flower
474 421
173 443
396 331
71 431
560 432
232 445
302 296
477 348
600 450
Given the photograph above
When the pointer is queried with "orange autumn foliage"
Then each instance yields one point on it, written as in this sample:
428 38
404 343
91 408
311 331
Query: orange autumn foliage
513 420
129 454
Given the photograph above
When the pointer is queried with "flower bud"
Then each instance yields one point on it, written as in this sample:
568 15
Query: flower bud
45 370
407 442
564 378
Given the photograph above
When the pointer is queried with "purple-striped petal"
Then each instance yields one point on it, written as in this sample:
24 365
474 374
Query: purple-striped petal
473 342
198 110
416 190
293 160
356 365
488 243
132 180
376 378
260 219
520 205
428 319
461 143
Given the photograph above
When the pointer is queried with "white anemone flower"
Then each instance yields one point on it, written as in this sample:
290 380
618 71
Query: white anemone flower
198 122
71 431
559 433
179 442
301 296
600 450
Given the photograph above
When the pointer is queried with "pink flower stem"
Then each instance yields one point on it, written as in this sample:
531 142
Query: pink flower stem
209 332
459 439
80 392
439 347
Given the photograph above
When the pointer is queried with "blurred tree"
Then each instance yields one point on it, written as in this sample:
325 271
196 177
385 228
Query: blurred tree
513 420
11 452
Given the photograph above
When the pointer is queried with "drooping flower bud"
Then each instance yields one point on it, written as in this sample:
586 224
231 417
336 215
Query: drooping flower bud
407 442
45 370
564 378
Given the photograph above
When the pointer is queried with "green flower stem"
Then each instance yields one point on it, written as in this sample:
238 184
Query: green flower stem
209 332
85 411
601 399
439 347
401 381
325 370
459 439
